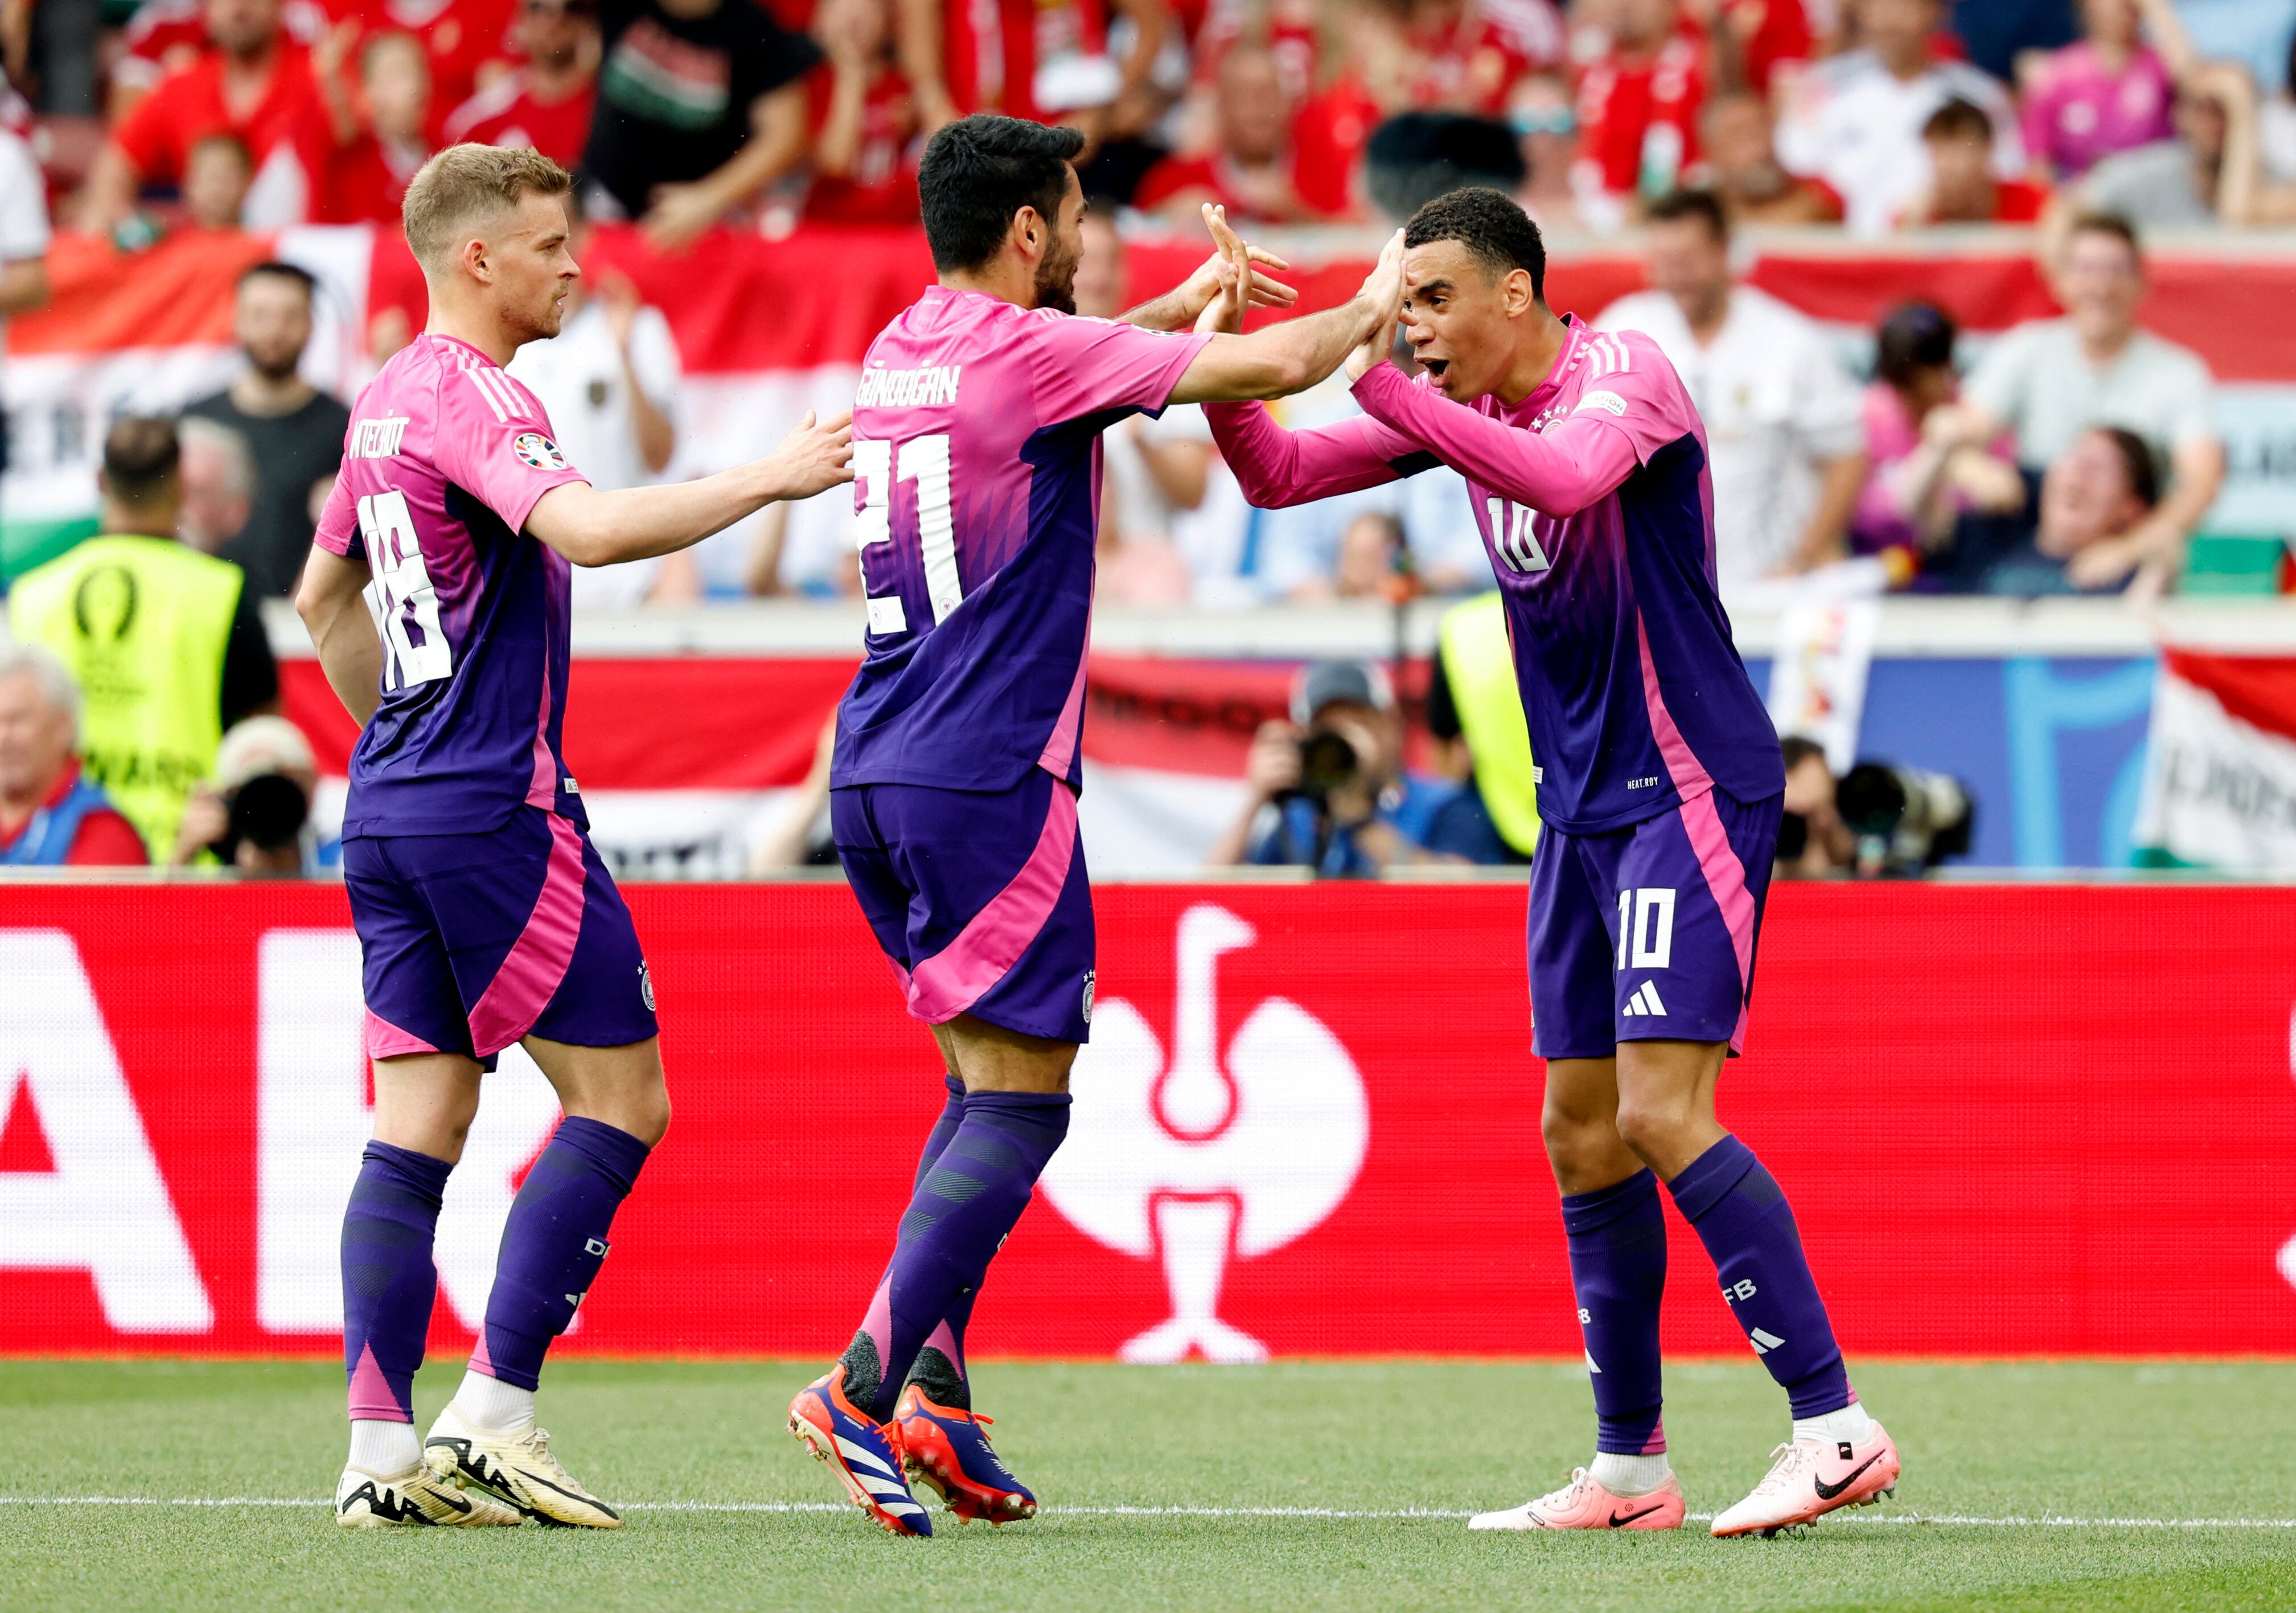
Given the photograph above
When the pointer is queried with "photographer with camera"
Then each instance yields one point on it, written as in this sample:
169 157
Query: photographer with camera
1877 820
256 815
1327 789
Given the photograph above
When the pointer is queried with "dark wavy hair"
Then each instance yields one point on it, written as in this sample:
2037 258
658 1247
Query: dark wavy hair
980 171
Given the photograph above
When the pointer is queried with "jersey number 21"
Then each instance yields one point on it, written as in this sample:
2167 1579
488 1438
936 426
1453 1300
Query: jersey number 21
923 460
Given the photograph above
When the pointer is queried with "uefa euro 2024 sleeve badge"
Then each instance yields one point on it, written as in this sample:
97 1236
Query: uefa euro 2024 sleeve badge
538 452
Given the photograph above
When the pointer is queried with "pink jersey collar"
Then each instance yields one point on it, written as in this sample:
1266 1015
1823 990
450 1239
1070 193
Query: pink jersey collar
456 342
1574 337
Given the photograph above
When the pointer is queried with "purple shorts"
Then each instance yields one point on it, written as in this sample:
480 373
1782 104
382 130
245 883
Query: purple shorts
470 942
979 898
1647 933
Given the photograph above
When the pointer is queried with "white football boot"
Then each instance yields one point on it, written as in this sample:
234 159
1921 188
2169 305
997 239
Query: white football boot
515 1467
414 1498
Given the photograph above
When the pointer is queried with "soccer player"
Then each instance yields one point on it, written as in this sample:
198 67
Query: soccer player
953 796
484 915
1660 792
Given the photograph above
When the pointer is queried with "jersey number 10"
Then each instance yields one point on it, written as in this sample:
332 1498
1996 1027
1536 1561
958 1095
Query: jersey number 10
923 460
401 600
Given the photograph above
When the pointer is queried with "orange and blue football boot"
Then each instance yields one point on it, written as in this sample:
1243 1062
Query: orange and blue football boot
865 1454
947 1449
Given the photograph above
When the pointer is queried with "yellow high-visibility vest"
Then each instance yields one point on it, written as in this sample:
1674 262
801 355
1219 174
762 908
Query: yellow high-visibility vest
1480 662
142 624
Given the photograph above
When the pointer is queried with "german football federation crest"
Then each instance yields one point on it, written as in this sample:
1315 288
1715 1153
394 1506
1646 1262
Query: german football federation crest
538 452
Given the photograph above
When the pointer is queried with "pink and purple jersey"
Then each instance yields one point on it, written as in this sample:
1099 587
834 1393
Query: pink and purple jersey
976 460
1595 501
444 457
2078 111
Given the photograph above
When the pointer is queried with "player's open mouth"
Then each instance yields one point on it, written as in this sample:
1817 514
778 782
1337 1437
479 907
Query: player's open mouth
1435 367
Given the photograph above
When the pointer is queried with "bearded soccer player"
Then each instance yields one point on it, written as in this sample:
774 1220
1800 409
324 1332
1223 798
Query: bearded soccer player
1661 792
954 786
485 917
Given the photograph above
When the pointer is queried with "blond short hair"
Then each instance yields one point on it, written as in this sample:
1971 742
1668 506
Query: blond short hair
465 183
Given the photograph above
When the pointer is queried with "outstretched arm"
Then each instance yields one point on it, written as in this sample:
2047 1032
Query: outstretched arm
596 529
1560 471
1277 468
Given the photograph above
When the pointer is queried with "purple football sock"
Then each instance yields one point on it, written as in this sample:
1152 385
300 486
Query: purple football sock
939 1368
1741 1216
964 1205
1618 1267
389 1281
553 1243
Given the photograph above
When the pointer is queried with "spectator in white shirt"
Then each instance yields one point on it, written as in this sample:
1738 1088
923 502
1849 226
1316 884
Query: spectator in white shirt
23 228
1784 422
2048 381
610 381
1856 120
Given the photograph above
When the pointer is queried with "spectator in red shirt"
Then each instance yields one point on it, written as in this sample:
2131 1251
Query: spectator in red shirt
1762 43
1467 55
546 103
1741 167
468 42
1638 107
1962 187
253 82
864 120
216 178
50 816
1045 59
1250 170
1366 77
367 144
166 35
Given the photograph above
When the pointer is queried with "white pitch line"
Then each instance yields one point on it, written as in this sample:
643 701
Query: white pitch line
1959 1519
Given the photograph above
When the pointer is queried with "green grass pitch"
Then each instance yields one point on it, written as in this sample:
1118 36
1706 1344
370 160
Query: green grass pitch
2122 1455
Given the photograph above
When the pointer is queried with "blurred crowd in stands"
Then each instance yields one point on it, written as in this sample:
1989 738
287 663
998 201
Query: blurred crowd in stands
1874 114
2079 455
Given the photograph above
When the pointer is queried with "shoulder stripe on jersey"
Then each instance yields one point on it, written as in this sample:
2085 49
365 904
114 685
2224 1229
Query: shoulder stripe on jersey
1621 360
1598 361
479 379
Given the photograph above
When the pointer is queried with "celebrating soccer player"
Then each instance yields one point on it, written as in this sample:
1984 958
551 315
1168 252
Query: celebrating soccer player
1661 792
484 915
953 792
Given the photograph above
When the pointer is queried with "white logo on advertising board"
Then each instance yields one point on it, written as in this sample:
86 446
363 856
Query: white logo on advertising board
314 1119
103 1209
1206 1159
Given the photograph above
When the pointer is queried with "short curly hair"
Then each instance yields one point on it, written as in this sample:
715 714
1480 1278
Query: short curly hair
1491 224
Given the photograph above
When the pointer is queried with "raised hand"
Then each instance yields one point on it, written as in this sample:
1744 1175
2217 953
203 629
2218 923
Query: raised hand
816 456
1383 295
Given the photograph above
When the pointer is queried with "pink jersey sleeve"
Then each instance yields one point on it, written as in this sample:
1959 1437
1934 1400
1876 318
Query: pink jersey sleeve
495 442
1574 463
1277 468
337 531
1087 366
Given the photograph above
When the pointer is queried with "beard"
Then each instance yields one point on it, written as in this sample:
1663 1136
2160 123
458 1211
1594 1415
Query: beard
543 323
1056 280
274 367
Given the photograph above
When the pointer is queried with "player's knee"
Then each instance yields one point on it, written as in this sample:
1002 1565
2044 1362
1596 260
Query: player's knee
1652 1129
1573 1139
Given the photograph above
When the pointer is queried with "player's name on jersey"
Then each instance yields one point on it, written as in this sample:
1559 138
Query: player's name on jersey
907 388
378 438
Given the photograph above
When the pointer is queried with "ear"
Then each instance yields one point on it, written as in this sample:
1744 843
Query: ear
1030 233
1516 289
476 261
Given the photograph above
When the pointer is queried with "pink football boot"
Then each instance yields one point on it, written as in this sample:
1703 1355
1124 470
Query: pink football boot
1809 1478
1584 1504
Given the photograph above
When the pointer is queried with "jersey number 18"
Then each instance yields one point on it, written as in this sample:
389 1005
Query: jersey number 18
923 460
404 604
